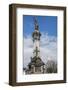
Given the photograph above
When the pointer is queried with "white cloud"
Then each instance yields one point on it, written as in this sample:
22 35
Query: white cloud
48 48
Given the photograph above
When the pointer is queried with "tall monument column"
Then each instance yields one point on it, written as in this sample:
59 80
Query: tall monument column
36 65
36 39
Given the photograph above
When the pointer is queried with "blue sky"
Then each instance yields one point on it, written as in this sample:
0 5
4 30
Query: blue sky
47 24
48 40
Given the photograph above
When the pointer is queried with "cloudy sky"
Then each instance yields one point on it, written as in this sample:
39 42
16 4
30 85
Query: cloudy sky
48 42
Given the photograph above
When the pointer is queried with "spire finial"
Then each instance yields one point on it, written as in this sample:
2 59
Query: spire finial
36 24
